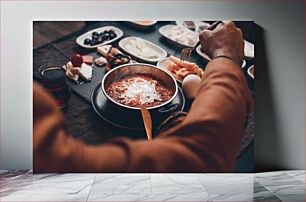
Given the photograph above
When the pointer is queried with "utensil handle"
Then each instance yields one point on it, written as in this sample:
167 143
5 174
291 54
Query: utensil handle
147 121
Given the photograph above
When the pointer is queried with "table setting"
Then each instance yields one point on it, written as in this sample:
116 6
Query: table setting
86 70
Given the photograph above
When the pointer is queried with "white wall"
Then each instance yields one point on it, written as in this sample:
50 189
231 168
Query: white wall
280 87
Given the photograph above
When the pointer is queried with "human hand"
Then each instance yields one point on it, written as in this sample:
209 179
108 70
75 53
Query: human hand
225 40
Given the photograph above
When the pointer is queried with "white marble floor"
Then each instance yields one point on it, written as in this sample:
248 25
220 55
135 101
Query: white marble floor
272 186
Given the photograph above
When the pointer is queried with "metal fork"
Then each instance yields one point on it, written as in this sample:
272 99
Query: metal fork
186 52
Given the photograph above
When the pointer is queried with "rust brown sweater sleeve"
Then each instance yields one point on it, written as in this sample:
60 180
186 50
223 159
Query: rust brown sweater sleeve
206 141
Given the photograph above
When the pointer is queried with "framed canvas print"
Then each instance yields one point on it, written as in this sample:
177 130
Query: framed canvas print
143 96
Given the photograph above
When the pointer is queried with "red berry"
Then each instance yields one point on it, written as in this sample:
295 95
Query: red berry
77 60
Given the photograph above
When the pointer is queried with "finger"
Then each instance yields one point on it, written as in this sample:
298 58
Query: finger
214 25
229 23
240 32
204 38
204 35
211 27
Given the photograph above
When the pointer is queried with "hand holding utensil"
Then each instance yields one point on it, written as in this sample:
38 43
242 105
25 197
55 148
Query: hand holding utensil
186 52
224 41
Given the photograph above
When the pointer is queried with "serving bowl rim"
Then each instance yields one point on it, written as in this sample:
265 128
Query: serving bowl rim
138 108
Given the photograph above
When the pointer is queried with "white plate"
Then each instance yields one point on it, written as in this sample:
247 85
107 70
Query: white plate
249 51
143 24
199 25
164 30
80 39
183 23
203 55
249 71
123 43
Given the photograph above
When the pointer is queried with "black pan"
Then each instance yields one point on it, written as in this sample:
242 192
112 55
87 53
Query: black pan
131 119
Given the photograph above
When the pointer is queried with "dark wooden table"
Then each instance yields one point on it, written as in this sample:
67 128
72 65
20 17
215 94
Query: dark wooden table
82 120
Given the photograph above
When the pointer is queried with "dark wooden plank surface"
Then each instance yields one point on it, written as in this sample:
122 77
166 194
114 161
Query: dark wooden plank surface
47 31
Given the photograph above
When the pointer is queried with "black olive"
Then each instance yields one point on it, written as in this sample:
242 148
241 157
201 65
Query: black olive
95 37
112 35
87 41
106 35
94 33
94 41
100 40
